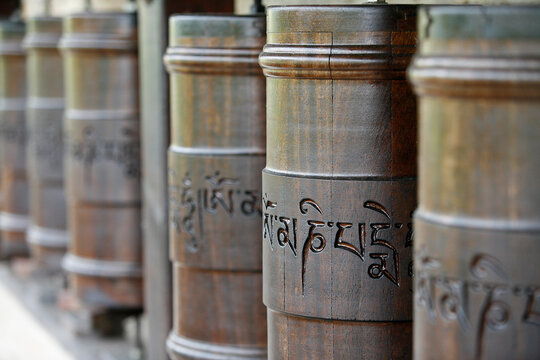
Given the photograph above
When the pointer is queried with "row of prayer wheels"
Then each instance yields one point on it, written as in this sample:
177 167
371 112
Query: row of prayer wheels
292 176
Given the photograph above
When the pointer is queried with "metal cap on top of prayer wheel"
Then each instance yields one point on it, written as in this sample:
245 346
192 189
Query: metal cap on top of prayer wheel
47 235
102 159
13 182
340 182
477 284
216 156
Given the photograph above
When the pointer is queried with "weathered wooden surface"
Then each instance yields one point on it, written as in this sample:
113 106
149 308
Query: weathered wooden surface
14 186
153 27
47 235
477 284
102 159
340 182
215 162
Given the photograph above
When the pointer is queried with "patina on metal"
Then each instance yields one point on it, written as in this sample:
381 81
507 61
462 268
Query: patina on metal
340 182
47 235
102 165
477 284
13 182
216 156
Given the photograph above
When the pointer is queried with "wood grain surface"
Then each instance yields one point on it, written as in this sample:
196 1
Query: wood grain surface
47 234
102 159
340 182
216 156
14 185
477 287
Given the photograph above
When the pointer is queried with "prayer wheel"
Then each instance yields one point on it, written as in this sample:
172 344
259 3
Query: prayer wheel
102 164
216 156
340 182
13 182
477 284
46 235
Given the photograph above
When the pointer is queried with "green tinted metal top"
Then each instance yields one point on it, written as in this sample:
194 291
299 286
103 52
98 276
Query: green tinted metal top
479 22
336 19
43 32
100 31
11 35
186 30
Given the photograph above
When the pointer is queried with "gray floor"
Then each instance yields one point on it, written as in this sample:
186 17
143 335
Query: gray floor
33 327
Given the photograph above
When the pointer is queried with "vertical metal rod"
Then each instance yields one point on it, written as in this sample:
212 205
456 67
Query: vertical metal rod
257 7
88 5
48 7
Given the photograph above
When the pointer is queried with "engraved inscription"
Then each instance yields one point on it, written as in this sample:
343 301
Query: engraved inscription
216 194
125 152
449 298
13 132
382 257
46 143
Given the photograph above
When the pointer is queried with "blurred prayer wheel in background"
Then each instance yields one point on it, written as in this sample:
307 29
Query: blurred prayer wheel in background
14 187
47 235
340 182
215 162
102 159
477 284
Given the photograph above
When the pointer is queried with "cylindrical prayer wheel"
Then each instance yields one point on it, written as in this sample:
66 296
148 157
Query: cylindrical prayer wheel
216 156
13 182
46 235
102 163
477 284
340 182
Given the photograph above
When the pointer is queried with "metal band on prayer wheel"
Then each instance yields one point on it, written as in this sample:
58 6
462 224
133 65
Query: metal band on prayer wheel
14 187
102 159
339 185
47 235
477 284
215 162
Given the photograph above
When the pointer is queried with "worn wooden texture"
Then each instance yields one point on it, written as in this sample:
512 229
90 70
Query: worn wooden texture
13 182
477 284
340 182
46 235
102 162
216 156
153 21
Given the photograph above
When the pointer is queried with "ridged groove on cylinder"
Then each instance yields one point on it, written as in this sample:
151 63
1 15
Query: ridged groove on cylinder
14 187
340 181
477 287
45 111
103 159
215 161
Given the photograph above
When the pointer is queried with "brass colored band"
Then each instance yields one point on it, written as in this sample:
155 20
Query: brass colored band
351 62
76 42
484 77
101 268
213 60
182 346
50 238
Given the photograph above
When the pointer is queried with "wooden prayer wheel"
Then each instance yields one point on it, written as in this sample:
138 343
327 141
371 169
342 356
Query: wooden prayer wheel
13 182
216 156
340 182
477 284
102 163
46 235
